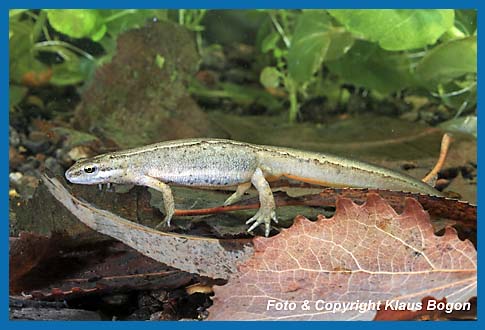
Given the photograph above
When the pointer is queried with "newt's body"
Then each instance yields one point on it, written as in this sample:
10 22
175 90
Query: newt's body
221 163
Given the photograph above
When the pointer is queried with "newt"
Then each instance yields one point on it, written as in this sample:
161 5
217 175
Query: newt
218 163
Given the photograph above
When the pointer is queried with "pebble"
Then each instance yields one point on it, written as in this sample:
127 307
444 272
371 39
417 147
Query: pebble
29 185
14 137
62 157
116 299
37 142
441 184
214 57
16 159
40 157
411 116
15 178
37 146
238 76
162 315
12 193
52 165
30 164
79 152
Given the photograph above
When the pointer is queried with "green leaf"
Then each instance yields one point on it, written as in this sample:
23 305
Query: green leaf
160 61
466 21
397 29
14 12
466 124
77 23
340 44
459 94
237 93
73 70
16 94
67 73
367 65
313 39
248 95
449 60
308 45
27 67
270 77
99 34
269 42
118 21
21 58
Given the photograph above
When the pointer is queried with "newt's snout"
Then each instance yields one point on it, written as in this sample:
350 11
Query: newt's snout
75 174
84 173
69 175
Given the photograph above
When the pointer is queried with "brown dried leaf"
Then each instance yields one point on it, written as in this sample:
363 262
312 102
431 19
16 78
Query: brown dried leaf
204 256
55 267
366 254
26 252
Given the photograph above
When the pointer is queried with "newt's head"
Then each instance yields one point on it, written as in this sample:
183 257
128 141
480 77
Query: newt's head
99 169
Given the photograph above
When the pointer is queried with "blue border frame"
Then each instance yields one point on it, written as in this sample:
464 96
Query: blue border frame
213 4
248 4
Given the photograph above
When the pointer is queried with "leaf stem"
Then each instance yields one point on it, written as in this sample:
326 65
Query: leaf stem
57 43
119 14
280 29
457 92
293 96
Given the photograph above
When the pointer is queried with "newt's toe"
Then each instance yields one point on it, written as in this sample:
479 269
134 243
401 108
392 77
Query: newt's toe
263 217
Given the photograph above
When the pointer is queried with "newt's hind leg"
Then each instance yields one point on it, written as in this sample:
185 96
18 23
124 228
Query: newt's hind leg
240 190
266 212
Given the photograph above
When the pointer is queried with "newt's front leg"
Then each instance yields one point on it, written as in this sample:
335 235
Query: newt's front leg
240 191
168 202
266 211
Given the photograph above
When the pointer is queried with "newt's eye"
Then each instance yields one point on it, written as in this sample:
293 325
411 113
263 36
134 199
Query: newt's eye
90 169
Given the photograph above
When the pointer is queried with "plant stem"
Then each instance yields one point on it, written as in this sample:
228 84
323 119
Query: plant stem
181 16
280 29
293 95
456 33
119 14
39 23
57 43
456 93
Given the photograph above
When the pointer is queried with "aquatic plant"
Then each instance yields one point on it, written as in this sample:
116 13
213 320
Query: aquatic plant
384 51
305 54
